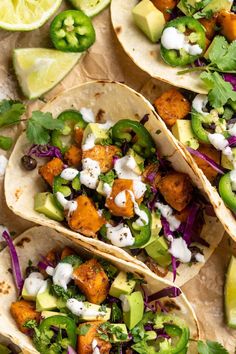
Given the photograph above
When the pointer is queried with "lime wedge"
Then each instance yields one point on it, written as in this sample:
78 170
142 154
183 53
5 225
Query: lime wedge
26 15
38 70
90 7
230 294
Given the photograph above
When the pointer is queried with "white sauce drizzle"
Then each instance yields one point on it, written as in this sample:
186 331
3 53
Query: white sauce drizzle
125 166
179 249
107 189
95 347
35 283
200 258
87 115
79 309
199 104
120 199
69 173
89 142
124 303
70 205
167 212
139 189
90 173
3 165
120 235
62 274
172 38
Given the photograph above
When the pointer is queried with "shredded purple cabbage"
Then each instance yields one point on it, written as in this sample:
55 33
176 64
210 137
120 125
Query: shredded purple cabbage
204 157
232 141
15 262
70 350
45 151
171 292
188 232
200 62
145 119
42 265
231 78
166 228
161 333
112 299
125 148
152 202
115 158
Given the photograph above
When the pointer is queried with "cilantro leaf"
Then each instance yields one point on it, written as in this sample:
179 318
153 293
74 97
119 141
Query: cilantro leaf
220 91
210 348
83 329
223 55
10 112
39 127
108 177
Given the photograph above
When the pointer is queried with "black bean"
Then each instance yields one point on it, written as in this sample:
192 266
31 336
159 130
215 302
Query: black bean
28 162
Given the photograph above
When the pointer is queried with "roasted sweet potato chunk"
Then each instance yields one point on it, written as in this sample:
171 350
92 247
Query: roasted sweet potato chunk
73 156
92 280
84 345
103 155
51 169
78 136
171 106
151 174
227 21
210 26
164 6
118 186
183 214
67 251
23 311
211 152
176 189
85 219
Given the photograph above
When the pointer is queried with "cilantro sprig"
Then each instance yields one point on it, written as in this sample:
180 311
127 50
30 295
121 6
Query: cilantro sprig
211 348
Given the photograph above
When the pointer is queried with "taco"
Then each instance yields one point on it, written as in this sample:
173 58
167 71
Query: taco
102 180
74 300
176 41
205 129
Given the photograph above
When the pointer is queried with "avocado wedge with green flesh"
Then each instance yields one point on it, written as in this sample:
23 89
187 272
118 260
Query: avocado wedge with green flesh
230 294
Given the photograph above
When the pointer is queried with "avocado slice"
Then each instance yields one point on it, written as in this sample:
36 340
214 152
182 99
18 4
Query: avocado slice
45 203
122 285
155 228
225 162
230 291
45 301
158 250
138 159
133 308
26 296
95 313
97 130
149 19
218 5
46 314
182 131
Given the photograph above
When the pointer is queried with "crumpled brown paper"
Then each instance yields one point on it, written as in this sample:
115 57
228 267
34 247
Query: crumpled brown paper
106 60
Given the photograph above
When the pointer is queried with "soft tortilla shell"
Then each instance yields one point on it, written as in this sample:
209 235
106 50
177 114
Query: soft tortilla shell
145 54
109 101
39 240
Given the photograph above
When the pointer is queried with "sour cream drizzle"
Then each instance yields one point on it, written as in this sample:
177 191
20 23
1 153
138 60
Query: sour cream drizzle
61 275
90 173
89 142
199 104
70 205
125 166
120 235
80 308
69 174
179 249
167 212
35 284
95 347
87 115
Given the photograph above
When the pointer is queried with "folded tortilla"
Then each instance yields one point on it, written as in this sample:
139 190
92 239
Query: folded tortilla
146 54
151 90
39 240
109 101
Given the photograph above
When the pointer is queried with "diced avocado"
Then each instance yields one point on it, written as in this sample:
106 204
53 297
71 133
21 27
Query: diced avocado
26 296
149 19
230 291
218 5
46 314
182 131
122 285
232 104
135 305
207 52
45 301
150 335
97 130
61 303
95 313
45 203
121 333
225 162
100 188
158 250
187 6
155 229
138 159
4 349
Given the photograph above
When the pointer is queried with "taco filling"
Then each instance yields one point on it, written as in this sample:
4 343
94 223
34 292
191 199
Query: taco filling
208 130
201 33
71 304
107 181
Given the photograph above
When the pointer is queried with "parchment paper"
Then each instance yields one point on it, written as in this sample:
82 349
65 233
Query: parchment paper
106 60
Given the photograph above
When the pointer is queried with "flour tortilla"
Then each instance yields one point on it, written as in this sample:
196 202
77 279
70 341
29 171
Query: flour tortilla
145 54
39 240
151 90
109 101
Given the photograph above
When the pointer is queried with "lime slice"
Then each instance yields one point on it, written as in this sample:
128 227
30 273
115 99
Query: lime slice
90 7
38 69
26 15
230 294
